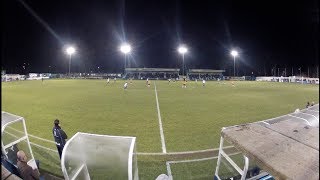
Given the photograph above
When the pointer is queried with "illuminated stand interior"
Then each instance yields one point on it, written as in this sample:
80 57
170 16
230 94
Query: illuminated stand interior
14 137
92 156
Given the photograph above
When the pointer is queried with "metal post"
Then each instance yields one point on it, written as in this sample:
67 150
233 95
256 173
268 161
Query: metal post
69 63
245 169
183 64
292 72
301 76
285 72
278 72
300 72
125 61
234 66
219 156
308 72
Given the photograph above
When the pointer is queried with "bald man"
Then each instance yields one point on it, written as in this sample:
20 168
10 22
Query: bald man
26 171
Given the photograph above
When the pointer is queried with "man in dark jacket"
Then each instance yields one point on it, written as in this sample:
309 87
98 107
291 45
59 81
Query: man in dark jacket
26 171
59 136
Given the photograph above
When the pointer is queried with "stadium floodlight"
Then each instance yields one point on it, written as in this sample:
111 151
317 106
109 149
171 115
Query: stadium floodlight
70 50
234 53
125 49
182 50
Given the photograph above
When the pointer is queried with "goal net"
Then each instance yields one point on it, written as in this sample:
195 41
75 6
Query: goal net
92 156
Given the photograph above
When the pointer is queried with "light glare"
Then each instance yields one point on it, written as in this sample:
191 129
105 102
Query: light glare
182 50
125 48
234 53
70 50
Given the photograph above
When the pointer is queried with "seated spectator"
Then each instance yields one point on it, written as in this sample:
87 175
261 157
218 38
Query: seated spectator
26 171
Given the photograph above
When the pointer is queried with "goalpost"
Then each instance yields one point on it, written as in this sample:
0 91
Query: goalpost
93 156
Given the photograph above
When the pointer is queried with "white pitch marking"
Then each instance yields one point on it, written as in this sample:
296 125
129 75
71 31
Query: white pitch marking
182 152
35 144
138 153
192 160
164 150
33 136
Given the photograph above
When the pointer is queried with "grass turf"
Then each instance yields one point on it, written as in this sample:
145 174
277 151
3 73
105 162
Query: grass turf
192 118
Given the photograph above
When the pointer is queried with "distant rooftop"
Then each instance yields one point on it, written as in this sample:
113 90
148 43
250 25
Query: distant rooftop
206 71
151 70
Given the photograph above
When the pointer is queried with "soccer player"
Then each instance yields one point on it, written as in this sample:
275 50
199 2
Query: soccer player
184 83
125 86
169 80
108 80
115 79
148 83
131 81
203 82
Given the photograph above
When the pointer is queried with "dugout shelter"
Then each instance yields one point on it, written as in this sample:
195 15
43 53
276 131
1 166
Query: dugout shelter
286 147
93 156
14 137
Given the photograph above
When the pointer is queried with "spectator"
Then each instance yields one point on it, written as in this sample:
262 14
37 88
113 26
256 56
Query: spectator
12 154
59 136
308 104
26 171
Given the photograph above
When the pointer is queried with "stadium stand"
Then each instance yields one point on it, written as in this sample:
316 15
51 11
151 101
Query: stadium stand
206 74
151 73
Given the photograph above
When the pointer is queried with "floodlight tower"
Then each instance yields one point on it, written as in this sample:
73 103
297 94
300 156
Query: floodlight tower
125 49
182 50
70 50
234 53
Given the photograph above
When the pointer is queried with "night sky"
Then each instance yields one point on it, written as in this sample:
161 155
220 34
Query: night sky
266 33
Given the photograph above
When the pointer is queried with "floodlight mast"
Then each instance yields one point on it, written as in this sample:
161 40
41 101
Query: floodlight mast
182 50
234 54
70 50
125 49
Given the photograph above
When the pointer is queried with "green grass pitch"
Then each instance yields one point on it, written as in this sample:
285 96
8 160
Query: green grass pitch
192 117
